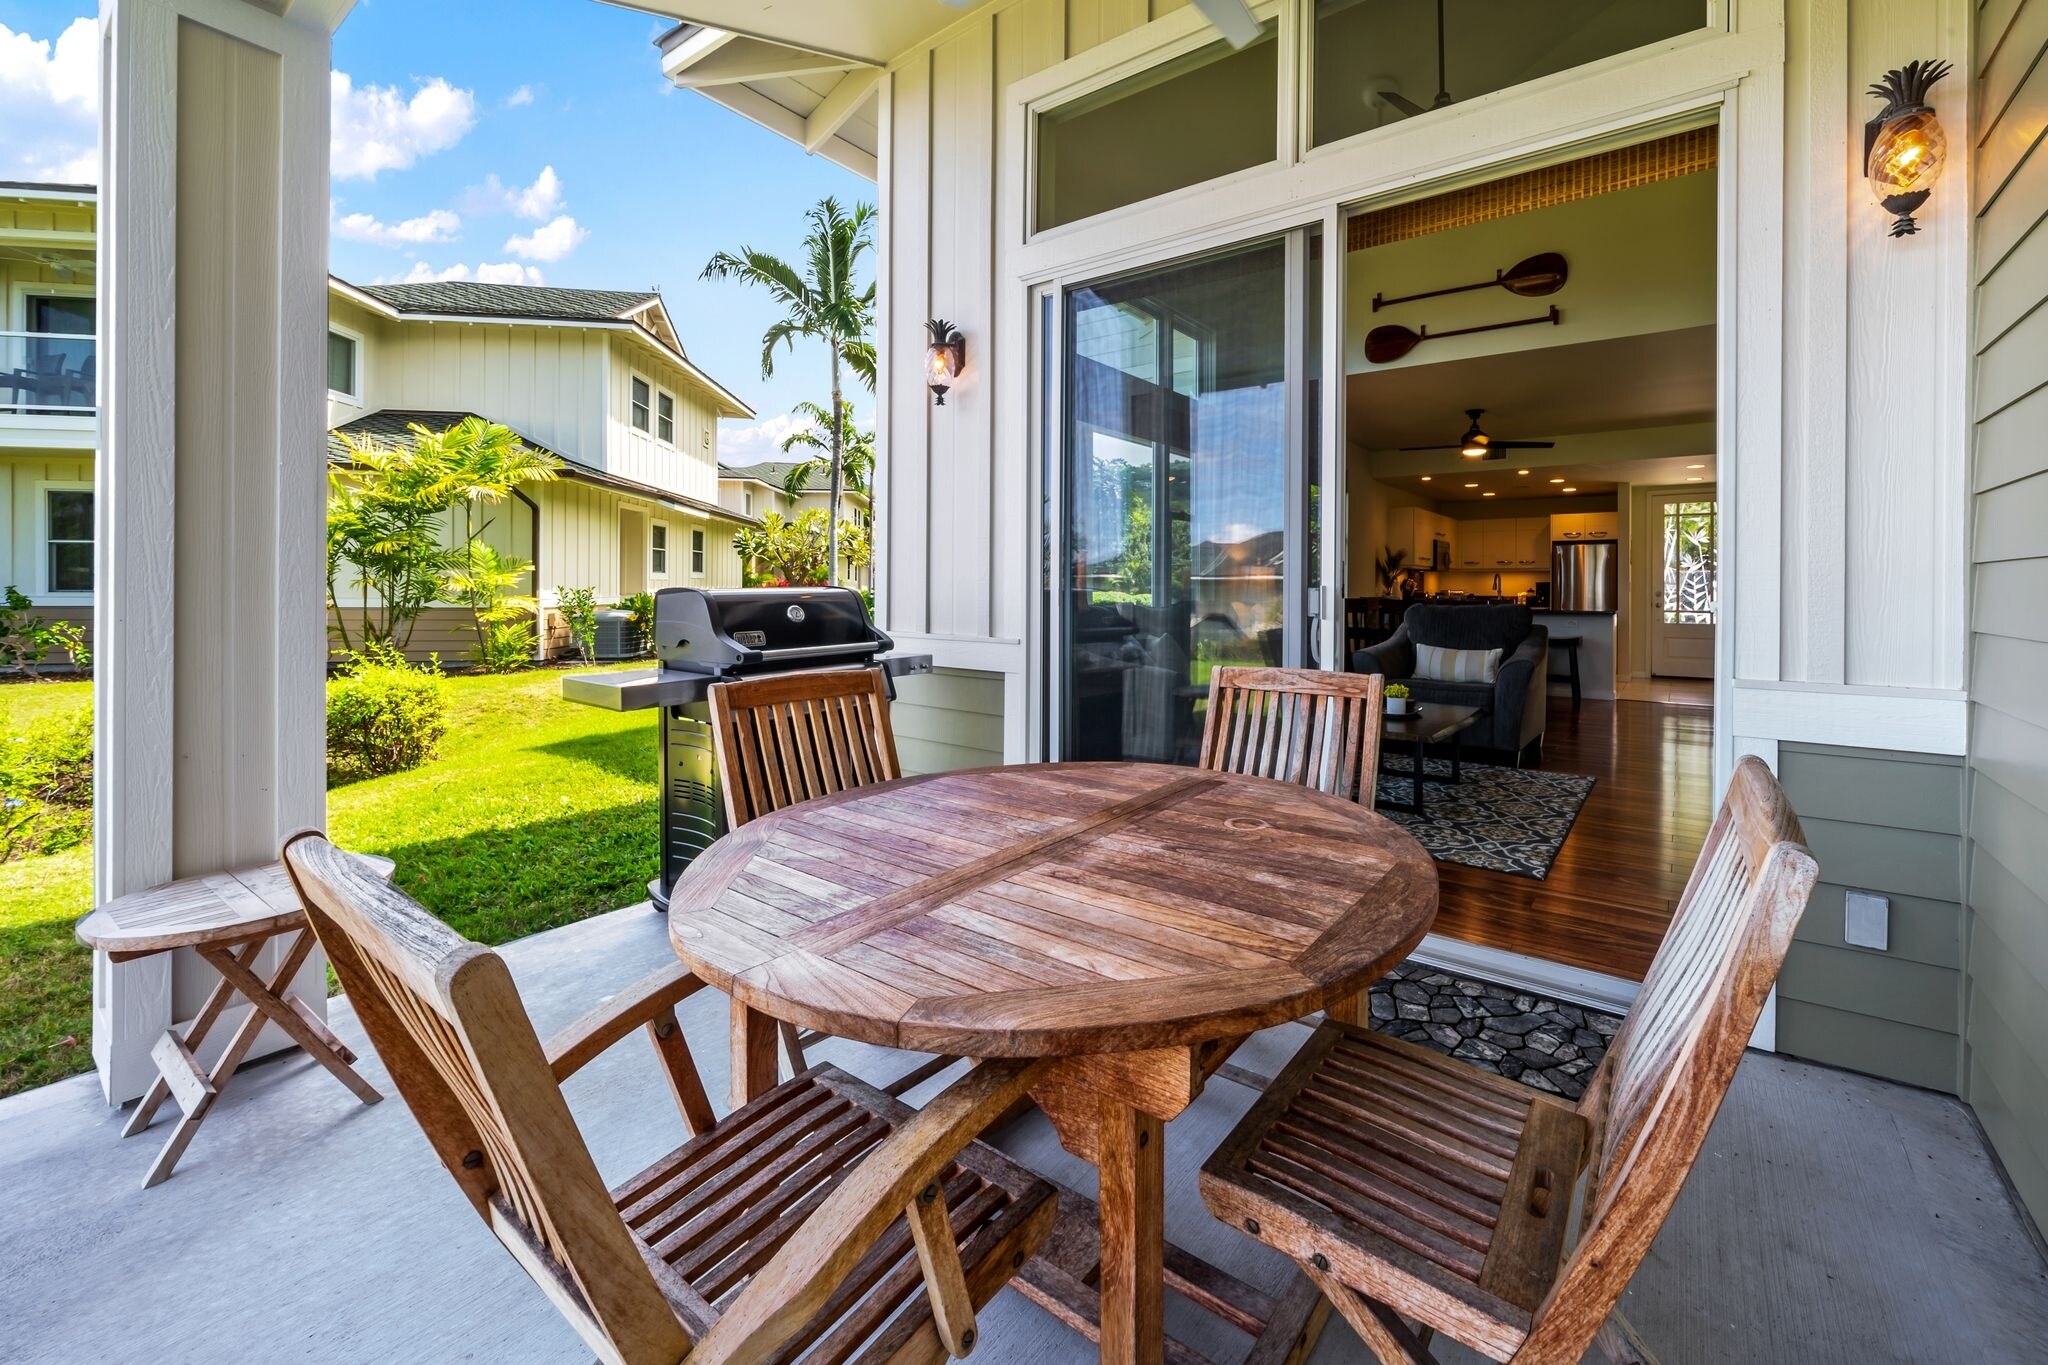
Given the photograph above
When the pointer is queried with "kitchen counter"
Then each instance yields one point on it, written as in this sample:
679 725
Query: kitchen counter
1595 630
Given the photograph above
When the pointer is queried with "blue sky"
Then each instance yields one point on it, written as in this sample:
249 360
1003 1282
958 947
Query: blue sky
528 140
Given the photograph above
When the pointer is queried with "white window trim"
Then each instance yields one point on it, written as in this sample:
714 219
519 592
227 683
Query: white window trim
700 552
354 398
666 549
670 439
44 593
631 376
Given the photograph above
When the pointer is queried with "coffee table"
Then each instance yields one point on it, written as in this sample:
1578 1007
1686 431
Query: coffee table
1424 724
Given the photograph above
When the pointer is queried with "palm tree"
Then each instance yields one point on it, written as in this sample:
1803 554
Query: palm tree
821 302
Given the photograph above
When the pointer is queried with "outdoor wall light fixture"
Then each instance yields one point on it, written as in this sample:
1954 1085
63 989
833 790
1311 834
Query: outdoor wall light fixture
1903 146
945 355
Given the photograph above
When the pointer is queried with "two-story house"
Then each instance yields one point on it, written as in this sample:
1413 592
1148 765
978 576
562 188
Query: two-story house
754 489
49 420
599 378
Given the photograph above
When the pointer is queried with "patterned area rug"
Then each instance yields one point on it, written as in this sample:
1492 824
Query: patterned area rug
1511 820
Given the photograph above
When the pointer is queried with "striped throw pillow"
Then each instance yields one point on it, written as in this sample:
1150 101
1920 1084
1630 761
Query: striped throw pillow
1435 664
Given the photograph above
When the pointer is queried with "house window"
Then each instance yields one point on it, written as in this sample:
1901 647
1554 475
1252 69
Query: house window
643 397
665 419
70 539
1380 62
343 373
747 501
697 551
657 555
1202 115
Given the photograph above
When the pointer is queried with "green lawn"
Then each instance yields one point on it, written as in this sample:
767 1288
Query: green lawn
537 813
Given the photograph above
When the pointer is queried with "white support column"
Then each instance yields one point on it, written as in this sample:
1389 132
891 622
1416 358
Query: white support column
211 651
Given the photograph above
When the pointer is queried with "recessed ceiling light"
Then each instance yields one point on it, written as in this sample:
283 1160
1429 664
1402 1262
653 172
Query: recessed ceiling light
1694 478
1425 478
1695 466
1521 471
1571 490
1471 485
1557 480
1486 495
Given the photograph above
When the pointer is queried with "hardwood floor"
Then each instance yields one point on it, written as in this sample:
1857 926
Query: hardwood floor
1612 890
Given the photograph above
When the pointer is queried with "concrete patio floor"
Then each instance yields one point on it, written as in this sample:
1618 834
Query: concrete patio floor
1832 1218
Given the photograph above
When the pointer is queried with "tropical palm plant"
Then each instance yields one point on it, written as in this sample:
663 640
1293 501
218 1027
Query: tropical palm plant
823 302
856 450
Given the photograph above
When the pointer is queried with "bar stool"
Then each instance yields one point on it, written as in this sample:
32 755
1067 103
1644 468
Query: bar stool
1570 645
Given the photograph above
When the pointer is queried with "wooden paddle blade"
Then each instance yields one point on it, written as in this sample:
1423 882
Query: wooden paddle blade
1541 274
1383 345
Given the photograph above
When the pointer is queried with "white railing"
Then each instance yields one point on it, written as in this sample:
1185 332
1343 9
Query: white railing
49 373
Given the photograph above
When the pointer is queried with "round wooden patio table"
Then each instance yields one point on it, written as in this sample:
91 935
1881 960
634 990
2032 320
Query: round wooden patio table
1134 920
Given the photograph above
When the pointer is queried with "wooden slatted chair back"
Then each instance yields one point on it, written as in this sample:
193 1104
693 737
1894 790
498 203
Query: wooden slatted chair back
1671 1064
791 737
448 1023
1300 725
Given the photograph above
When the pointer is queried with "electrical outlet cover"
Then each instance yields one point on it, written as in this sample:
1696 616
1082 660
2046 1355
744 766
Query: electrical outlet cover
1866 920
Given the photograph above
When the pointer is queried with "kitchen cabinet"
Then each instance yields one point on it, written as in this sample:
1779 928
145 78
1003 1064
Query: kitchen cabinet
1501 543
1415 529
1532 542
1586 526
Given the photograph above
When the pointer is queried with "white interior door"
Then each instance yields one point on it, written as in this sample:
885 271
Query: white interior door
1688 591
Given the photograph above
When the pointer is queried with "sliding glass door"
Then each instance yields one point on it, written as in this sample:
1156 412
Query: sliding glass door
1187 430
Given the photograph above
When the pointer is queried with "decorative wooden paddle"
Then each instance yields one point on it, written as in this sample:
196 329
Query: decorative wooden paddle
1533 278
1385 345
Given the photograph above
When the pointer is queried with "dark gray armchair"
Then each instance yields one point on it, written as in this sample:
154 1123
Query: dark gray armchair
1515 697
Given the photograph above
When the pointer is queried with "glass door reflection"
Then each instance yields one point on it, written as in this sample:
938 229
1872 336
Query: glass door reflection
1176 469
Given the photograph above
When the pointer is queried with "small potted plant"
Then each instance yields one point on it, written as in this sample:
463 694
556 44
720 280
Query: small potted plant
1397 699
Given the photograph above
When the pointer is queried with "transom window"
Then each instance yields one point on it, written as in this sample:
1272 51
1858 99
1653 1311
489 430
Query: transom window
70 541
1381 62
697 551
642 401
665 419
657 551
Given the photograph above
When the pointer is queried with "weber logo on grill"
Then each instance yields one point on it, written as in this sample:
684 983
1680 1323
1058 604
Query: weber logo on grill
752 639
795 612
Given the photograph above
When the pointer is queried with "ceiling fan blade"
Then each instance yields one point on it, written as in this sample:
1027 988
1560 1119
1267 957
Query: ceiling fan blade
1525 445
1452 446
1401 104
1233 19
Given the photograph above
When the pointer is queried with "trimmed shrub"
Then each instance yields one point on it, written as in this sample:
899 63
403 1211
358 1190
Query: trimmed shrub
46 787
385 714
507 646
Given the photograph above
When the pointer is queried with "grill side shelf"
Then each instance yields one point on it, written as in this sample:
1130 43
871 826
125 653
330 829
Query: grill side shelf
645 689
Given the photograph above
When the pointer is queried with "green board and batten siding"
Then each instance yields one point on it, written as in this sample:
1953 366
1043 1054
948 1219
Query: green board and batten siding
2007 1018
947 719
1889 823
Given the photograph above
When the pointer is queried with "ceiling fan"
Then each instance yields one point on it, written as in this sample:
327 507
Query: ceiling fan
1475 444
1409 108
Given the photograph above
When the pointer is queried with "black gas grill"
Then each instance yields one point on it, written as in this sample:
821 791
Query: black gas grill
708 635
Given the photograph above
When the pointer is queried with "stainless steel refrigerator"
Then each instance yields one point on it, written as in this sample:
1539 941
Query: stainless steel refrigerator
1583 575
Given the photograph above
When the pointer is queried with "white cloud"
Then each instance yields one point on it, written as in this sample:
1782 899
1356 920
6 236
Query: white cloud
519 98
438 225
549 242
535 202
49 104
502 272
762 440
378 129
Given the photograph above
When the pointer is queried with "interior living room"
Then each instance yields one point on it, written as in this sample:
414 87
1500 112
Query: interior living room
1530 419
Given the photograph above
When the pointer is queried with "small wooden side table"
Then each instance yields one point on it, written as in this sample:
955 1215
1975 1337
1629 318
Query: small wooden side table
227 918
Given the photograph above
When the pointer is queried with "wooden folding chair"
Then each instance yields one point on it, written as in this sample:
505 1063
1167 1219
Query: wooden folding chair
1424 1196
788 738
1301 725
802 1222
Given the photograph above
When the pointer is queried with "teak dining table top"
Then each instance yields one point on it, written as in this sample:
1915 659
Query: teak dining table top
1054 909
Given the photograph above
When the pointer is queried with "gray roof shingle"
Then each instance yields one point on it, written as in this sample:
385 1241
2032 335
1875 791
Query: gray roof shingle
775 471
468 298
